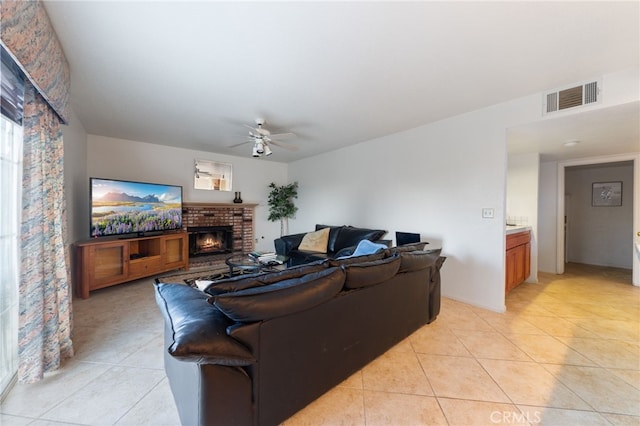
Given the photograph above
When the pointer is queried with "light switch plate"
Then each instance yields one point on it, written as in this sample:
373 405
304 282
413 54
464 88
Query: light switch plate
487 213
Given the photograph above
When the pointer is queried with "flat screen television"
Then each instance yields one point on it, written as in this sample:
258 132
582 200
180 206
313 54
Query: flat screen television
403 238
120 207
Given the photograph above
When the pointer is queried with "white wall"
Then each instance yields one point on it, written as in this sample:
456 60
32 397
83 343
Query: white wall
131 160
599 235
522 199
547 213
434 180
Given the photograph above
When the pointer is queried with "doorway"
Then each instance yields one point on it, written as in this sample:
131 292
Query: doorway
600 235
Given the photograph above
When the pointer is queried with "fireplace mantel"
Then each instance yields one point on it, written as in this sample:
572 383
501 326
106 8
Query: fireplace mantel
187 205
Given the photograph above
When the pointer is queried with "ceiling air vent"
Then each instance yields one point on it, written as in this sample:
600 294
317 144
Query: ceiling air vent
571 97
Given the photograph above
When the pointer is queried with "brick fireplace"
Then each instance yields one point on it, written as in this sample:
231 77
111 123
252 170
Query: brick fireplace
235 219
207 240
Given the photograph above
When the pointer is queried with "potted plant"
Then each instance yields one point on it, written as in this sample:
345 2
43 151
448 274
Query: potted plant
281 205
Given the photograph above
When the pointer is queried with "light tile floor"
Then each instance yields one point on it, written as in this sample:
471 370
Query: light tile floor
567 352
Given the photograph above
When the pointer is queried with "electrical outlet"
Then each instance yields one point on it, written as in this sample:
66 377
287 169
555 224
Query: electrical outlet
487 213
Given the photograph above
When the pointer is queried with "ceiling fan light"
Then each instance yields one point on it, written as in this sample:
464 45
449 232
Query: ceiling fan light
267 150
255 151
259 148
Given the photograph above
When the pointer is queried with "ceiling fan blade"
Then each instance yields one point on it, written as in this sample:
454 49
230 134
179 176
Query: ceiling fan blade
284 145
241 143
259 130
282 135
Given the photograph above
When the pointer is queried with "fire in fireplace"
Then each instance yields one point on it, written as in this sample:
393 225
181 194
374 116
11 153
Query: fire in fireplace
210 240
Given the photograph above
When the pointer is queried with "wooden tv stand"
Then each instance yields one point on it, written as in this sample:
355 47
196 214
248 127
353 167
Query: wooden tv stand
107 262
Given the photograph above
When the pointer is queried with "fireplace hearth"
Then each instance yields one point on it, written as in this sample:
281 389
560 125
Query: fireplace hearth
207 240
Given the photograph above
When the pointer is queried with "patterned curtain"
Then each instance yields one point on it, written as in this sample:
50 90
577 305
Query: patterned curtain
45 290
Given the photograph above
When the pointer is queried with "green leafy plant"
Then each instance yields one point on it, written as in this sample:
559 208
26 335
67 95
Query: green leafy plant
281 206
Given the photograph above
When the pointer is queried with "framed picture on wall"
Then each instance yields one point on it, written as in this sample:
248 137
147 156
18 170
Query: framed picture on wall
606 194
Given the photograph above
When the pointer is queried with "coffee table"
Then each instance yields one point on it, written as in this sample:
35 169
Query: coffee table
241 263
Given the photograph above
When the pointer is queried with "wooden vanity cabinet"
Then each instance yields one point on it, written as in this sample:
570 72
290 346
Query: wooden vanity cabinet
103 263
518 259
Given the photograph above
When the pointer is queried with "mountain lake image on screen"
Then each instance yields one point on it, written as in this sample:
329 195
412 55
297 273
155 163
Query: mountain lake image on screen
121 207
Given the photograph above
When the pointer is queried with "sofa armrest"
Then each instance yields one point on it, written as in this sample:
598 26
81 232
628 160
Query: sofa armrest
284 245
196 331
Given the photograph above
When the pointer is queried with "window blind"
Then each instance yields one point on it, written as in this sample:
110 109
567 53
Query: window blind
12 89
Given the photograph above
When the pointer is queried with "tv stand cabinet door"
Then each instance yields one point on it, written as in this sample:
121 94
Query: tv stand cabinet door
175 251
101 265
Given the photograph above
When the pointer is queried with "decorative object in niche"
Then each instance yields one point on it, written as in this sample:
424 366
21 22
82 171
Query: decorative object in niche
606 194
212 175
238 198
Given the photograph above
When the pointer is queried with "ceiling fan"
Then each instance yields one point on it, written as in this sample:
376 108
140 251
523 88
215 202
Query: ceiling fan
263 138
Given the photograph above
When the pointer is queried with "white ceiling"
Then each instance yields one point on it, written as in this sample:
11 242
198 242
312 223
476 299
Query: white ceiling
609 131
190 74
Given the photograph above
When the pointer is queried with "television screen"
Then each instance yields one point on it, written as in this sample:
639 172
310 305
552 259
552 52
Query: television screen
121 207
403 238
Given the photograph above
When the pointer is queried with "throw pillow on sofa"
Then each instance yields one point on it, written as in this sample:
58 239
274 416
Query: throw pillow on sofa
333 235
349 236
281 298
315 241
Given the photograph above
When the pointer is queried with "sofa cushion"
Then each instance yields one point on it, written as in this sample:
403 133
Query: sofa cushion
242 282
315 241
297 257
281 298
350 236
333 235
371 273
417 260
198 332
293 272
344 252
235 283
358 259
409 247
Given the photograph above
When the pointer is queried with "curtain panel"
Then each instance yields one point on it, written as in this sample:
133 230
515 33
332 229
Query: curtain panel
44 307
27 33
45 315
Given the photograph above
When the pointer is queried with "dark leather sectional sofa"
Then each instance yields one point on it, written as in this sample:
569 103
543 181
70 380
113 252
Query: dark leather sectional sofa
255 349
342 242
